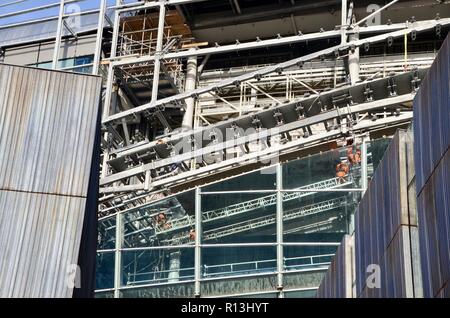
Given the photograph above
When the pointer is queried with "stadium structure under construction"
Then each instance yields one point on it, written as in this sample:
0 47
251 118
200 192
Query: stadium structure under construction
233 143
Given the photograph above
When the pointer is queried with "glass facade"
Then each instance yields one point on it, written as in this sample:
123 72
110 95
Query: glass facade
268 233
80 64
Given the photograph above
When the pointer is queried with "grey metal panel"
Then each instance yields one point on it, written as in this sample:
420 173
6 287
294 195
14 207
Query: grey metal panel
47 130
433 206
39 239
384 222
432 116
432 134
338 280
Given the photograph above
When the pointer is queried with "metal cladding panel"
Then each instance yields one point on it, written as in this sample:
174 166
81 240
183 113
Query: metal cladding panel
338 280
433 206
432 116
39 239
432 135
47 130
48 123
383 222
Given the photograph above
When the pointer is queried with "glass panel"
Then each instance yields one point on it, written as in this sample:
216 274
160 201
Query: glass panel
310 278
182 290
307 257
166 222
239 285
104 274
318 216
232 261
239 218
157 266
331 169
264 179
375 152
105 294
309 293
261 295
106 233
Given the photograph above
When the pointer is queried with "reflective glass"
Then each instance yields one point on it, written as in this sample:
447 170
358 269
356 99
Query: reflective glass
239 218
331 169
166 222
318 216
106 233
264 179
104 274
155 266
232 261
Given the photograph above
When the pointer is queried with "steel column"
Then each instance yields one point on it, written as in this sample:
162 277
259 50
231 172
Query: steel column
118 256
198 234
98 42
58 36
158 53
190 85
279 222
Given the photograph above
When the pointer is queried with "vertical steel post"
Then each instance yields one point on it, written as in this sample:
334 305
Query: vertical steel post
58 36
159 44
364 173
198 234
344 22
353 58
190 84
118 256
98 41
279 218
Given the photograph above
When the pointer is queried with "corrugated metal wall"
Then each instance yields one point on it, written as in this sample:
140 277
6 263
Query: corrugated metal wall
386 227
339 278
47 132
385 260
432 135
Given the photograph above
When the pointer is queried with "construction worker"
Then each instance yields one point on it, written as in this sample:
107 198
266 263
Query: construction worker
192 235
357 157
161 218
342 170
350 155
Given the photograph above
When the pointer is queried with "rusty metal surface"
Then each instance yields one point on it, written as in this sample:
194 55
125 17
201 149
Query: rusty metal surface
432 135
338 280
47 132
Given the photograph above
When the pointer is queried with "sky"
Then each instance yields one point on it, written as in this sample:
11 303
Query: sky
9 6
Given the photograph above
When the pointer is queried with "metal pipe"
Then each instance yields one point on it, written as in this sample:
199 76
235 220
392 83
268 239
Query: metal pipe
58 36
279 224
118 254
190 85
198 233
98 42
344 22
159 44
353 58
